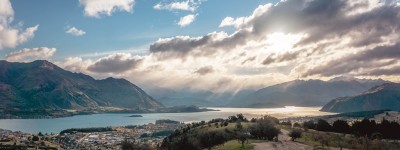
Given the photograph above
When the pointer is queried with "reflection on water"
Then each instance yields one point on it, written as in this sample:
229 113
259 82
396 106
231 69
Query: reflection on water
287 111
102 120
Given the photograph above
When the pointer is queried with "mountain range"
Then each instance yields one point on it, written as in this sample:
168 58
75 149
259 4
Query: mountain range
173 97
385 96
307 92
41 85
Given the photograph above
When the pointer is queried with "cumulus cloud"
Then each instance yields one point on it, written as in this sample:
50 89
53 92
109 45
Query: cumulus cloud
95 8
188 5
75 64
115 63
205 70
276 43
27 55
241 21
11 36
182 46
75 32
327 30
186 20
377 57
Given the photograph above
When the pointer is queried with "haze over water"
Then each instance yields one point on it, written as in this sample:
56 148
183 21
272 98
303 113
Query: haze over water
102 120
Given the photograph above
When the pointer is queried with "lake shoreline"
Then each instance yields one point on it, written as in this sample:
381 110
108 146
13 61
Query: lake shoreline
62 113
55 125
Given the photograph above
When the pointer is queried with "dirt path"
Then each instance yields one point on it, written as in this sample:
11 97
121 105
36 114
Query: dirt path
283 144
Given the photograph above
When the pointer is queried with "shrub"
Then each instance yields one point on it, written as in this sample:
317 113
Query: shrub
341 126
213 138
294 134
323 125
265 128
309 125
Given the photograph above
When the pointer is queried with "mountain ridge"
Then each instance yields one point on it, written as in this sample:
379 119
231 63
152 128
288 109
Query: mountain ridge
42 85
308 92
385 96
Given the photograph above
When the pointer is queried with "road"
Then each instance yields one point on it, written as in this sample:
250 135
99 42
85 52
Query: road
284 144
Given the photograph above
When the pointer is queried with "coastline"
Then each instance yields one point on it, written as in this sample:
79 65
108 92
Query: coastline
62 113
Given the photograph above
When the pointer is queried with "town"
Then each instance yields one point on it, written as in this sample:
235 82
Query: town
150 135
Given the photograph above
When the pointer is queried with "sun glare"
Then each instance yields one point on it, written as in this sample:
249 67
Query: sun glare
280 42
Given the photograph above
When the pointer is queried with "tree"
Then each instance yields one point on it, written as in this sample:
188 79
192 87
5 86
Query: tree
265 128
127 145
242 136
226 123
286 123
241 117
212 138
238 126
364 127
297 125
232 118
35 138
294 134
309 125
341 126
323 125
216 124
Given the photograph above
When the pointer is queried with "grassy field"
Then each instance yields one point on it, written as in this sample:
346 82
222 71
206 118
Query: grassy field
235 145
327 140
230 127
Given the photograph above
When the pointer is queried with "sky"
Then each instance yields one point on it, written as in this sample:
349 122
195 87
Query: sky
218 45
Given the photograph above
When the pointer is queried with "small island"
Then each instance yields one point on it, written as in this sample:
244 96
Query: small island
135 116
183 109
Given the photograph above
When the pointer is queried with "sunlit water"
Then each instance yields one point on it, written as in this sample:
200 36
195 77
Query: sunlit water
103 120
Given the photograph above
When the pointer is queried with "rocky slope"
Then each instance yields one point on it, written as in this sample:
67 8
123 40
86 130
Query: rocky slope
308 92
41 85
385 96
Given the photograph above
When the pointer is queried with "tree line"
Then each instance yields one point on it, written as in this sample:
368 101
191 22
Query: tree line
369 128
206 135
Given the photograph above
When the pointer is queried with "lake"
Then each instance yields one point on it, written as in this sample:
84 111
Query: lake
102 120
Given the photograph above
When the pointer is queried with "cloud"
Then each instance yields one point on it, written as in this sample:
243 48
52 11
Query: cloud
116 63
75 64
205 70
27 55
314 39
188 5
95 8
376 57
11 36
383 71
75 32
241 21
327 30
186 20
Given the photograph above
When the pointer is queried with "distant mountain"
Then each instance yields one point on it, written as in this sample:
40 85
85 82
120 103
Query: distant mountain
307 92
41 85
177 97
385 96
174 97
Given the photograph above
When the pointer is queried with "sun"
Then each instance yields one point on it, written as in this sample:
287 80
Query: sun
279 42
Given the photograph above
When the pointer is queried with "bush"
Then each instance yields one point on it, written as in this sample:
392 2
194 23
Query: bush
297 125
238 126
309 125
323 125
286 123
294 134
265 128
341 126
213 138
